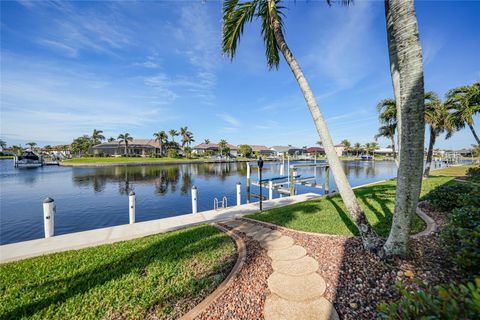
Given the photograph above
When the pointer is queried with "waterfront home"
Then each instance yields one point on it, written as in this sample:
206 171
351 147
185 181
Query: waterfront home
339 149
262 150
283 151
387 152
142 147
213 148
315 151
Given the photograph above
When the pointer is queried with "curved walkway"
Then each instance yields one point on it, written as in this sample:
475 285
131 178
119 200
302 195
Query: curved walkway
296 289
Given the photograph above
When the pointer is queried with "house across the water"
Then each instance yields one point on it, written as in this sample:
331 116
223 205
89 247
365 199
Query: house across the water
213 148
142 147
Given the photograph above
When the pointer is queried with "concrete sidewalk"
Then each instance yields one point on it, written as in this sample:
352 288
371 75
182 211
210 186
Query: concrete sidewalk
32 248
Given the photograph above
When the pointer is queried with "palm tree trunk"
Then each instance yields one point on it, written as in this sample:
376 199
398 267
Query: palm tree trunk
428 163
393 149
369 236
474 133
407 56
126 145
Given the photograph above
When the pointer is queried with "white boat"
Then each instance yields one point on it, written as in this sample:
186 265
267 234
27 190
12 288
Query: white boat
366 157
28 159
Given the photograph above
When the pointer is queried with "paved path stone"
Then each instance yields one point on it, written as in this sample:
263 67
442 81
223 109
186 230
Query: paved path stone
280 243
281 309
302 266
296 287
291 253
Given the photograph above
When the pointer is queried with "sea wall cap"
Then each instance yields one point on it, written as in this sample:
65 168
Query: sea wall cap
48 200
131 193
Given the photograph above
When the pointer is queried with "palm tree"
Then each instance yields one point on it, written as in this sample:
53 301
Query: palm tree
388 131
3 144
111 139
406 68
31 145
162 138
206 141
222 144
125 137
187 137
358 147
97 136
464 103
173 133
235 16
346 145
436 115
319 143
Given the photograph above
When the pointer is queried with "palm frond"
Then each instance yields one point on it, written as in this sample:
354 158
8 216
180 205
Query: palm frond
235 16
267 15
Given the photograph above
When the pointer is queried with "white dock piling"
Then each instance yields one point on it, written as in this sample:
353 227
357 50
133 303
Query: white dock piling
194 199
248 182
239 190
131 207
48 216
270 189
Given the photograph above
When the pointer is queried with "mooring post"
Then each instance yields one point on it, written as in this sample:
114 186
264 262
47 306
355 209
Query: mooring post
48 216
248 182
282 169
239 190
270 189
194 199
292 181
131 207
327 179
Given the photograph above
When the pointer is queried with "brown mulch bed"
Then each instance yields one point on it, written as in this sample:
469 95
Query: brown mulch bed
246 297
357 280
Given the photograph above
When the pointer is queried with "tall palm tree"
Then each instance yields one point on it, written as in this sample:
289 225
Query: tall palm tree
358 147
31 145
187 137
406 68
235 16
161 137
388 131
97 136
173 133
126 138
436 115
206 141
464 103
222 144
346 145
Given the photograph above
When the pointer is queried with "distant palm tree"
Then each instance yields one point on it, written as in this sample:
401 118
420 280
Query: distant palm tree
111 139
235 15
358 147
3 144
222 144
187 137
161 137
464 103
346 145
173 133
319 143
388 131
206 141
125 137
97 136
436 115
31 145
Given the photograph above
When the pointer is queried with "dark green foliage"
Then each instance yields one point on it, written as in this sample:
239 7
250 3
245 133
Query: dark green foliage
461 237
441 302
451 196
473 174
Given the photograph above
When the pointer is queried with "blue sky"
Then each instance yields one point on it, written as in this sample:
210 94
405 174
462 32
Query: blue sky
140 67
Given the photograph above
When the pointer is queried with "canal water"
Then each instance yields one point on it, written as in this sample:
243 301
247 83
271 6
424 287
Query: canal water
90 198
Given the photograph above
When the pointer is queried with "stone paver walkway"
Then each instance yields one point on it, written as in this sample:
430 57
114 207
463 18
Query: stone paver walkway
296 289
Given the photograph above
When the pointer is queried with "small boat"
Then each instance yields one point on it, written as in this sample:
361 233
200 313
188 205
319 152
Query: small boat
366 157
28 159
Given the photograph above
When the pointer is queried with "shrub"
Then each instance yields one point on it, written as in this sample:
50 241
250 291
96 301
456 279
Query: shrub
442 302
473 174
172 153
448 197
461 237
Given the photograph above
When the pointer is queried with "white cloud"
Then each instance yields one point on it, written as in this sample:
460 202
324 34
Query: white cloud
234 122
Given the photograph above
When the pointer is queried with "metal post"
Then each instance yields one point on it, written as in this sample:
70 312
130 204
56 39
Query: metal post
131 207
270 189
194 199
260 166
49 209
239 190
327 179
248 182
282 169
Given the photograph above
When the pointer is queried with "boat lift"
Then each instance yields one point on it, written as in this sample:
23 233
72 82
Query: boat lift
285 184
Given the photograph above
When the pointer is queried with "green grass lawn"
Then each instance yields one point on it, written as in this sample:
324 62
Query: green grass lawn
328 215
124 159
161 275
457 171
6 157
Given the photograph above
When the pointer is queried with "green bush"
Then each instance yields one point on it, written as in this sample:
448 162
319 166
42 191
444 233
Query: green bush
473 174
448 197
461 237
172 153
441 302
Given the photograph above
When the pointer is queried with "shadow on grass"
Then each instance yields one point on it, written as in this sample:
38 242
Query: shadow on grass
344 216
181 246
